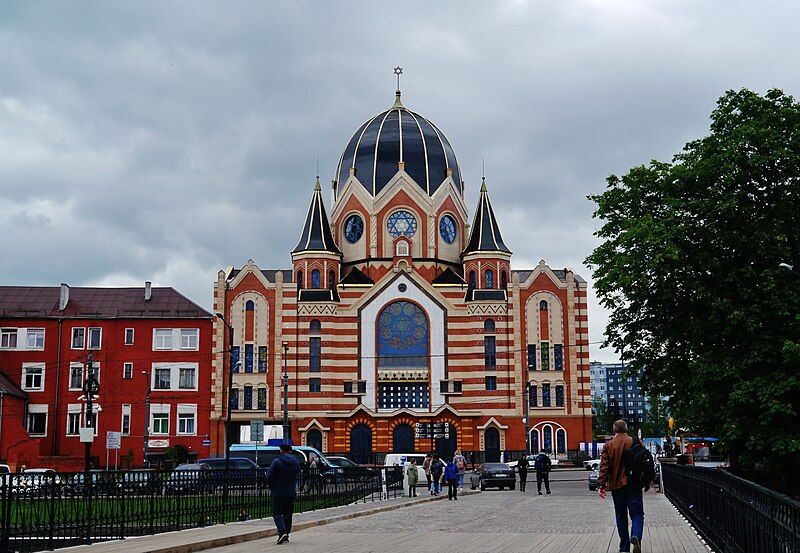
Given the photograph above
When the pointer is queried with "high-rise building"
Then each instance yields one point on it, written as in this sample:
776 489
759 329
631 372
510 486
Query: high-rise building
621 394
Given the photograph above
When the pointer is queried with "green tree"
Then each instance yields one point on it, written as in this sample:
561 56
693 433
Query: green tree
602 418
656 418
689 267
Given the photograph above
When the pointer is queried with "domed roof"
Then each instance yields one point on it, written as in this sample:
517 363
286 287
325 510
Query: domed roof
395 135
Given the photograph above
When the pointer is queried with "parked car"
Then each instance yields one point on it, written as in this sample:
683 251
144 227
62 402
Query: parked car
531 459
190 478
103 483
142 481
593 476
492 475
403 459
34 482
591 464
342 462
244 471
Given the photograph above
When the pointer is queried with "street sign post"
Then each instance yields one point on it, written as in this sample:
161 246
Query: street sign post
113 441
256 434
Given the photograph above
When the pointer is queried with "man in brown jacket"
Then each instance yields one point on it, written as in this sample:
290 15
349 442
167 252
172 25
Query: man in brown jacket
627 498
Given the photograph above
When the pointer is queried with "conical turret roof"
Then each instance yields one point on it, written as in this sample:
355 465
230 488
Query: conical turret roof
316 235
485 235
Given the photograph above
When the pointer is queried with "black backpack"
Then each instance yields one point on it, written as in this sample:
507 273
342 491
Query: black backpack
639 466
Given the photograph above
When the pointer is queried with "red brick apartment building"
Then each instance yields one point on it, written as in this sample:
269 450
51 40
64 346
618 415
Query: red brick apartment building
151 353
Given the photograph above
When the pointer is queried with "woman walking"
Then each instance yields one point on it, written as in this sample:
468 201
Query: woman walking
461 465
411 473
426 467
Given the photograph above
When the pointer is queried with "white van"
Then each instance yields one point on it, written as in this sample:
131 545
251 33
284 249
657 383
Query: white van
403 459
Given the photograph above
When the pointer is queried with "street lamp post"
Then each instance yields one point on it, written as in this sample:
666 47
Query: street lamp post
228 430
146 419
285 393
527 401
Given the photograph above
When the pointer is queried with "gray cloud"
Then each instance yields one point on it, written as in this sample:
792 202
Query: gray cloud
166 141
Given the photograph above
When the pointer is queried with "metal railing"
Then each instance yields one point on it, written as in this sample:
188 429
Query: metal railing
732 514
53 510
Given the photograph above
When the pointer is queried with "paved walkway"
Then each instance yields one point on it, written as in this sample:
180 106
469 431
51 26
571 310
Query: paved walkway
571 519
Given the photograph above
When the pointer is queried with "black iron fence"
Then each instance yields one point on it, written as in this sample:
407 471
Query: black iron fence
53 510
732 514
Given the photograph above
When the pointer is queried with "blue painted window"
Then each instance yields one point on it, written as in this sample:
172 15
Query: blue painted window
472 280
489 326
533 398
561 441
315 278
558 357
397 395
447 229
353 228
559 396
234 399
262 399
545 395
491 383
235 358
249 306
402 336
314 385
545 356
248 358
490 353
314 355
548 438
314 327
401 223
248 397
262 359
531 357
543 305
299 279
489 278
332 280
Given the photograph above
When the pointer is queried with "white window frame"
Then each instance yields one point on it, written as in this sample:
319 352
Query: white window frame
74 410
162 333
192 336
24 385
72 337
89 338
183 410
194 377
157 369
37 409
69 383
126 413
401 250
125 366
33 333
125 337
159 409
5 335
174 376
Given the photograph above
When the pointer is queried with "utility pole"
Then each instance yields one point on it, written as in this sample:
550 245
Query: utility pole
527 400
146 420
228 425
285 393
90 388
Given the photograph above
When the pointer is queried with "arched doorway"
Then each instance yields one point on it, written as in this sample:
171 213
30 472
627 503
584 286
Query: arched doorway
314 439
403 439
446 447
491 442
361 444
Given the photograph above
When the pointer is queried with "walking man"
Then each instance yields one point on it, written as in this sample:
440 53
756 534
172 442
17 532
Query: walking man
451 475
542 467
282 481
522 466
437 469
627 496
426 468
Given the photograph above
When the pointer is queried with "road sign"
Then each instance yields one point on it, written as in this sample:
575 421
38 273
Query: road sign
206 442
113 440
257 431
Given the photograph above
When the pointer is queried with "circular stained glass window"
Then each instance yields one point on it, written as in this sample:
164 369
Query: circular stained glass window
353 228
401 223
447 229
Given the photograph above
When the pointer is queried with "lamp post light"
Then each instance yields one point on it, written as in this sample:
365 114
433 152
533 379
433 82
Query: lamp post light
228 425
285 393
791 268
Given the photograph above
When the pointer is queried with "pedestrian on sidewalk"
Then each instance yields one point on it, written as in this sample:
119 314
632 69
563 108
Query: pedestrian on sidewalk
437 472
627 495
451 476
413 476
426 468
522 466
282 481
461 464
542 466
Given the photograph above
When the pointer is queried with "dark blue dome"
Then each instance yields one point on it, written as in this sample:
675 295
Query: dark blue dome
395 135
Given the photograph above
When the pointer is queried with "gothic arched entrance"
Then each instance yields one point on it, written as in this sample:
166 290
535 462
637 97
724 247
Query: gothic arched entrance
446 447
491 445
403 439
361 444
314 439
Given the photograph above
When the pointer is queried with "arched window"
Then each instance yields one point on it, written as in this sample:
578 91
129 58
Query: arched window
299 279
234 399
402 249
402 343
472 280
248 397
561 441
262 398
548 439
315 346
314 439
315 279
249 306
332 280
489 278
503 280
403 439
314 327
489 326
543 305
361 444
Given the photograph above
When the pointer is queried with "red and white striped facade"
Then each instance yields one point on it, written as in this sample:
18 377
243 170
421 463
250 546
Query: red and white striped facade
335 395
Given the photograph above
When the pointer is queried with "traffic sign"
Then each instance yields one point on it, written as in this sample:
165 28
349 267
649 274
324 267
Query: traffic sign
113 440
206 442
256 431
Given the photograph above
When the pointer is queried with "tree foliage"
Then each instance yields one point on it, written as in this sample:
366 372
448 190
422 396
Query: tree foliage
689 267
656 419
602 418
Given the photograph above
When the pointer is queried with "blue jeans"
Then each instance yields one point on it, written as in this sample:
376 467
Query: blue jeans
461 480
436 485
282 510
628 500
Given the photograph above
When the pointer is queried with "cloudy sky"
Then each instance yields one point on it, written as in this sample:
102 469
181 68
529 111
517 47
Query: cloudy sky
164 141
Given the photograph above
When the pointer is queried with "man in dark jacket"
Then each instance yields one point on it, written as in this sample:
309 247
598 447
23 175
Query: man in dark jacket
437 468
522 467
282 481
542 466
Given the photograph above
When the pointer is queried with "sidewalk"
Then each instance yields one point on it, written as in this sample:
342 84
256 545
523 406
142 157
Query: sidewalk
219 535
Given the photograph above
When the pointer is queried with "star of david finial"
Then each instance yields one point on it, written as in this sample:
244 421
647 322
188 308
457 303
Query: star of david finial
398 71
